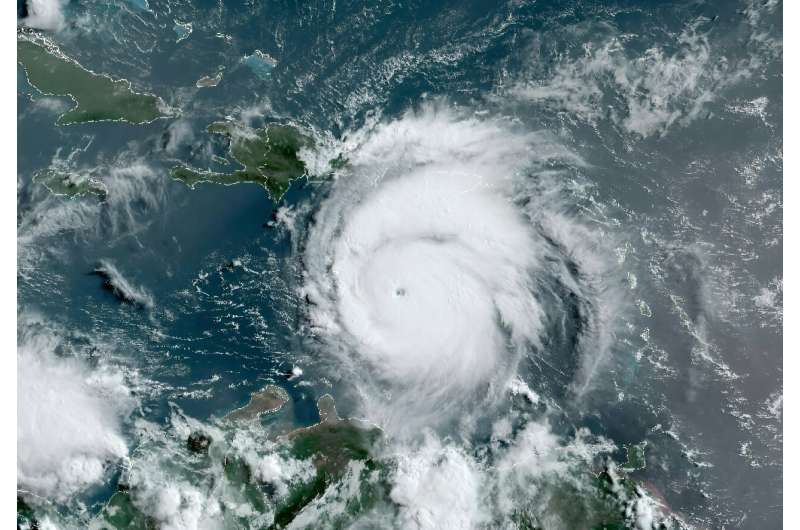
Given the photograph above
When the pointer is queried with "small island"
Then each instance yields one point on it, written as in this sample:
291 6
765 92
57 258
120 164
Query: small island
208 81
268 156
267 401
97 97
635 457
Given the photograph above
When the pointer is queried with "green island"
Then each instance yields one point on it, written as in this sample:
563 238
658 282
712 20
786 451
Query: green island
268 156
70 184
635 457
97 97
120 512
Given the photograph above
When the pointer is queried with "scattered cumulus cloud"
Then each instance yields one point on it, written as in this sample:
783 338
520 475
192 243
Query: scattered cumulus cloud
656 89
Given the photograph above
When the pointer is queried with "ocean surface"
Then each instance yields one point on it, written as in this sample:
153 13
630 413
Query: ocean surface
623 270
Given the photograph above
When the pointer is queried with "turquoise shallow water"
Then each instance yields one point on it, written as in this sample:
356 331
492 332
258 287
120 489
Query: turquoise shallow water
673 112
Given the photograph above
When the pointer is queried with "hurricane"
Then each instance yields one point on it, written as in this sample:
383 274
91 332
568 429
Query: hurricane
429 265
382 265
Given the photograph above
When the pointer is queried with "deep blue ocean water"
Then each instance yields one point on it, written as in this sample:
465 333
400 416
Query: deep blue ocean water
694 188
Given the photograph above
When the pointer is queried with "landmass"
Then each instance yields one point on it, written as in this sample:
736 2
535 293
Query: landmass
635 457
97 97
334 441
208 81
345 456
267 401
268 156
70 184
26 517
120 512
332 444
612 501
198 442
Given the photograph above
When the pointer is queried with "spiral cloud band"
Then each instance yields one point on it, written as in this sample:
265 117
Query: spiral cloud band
421 265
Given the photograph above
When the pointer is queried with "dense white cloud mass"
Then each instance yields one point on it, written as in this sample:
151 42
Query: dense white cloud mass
434 267
438 262
68 420
538 456
422 262
167 484
438 487
45 14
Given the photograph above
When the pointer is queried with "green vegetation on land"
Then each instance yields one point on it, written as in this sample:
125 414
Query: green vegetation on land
636 458
347 474
25 516
120 513
97 97
331 445
269 158
69 184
